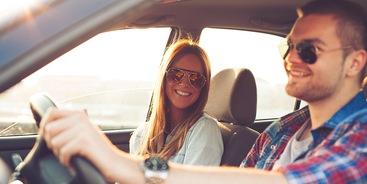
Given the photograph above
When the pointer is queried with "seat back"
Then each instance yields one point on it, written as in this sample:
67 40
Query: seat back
232 101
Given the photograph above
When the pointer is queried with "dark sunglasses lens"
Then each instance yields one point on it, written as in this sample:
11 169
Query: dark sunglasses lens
197 80
175 75
307 52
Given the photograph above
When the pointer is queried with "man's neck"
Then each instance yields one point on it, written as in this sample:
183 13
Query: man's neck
322 110
306 133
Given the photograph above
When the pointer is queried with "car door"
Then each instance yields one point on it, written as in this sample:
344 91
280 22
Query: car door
107 87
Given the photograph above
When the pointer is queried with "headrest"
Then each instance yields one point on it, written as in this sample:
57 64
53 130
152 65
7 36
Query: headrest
233 97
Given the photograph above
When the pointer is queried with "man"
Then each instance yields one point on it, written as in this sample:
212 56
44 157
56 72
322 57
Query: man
335 31
322 143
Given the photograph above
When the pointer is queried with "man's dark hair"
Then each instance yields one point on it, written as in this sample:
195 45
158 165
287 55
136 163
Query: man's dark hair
351 17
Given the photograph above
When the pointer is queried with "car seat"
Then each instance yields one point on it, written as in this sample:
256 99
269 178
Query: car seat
232 101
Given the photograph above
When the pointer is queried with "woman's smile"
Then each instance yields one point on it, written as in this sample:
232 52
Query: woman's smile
182 93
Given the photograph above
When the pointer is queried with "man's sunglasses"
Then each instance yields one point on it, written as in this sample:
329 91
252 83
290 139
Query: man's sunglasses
176 75
305 49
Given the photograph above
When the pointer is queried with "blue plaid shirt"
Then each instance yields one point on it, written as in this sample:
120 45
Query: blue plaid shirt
338 153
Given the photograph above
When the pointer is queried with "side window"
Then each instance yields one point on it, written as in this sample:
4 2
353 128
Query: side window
257 52
110 76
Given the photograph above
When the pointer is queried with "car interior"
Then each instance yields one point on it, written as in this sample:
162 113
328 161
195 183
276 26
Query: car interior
34 38
232 101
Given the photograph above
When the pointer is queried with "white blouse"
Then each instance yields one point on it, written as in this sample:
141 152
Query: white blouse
203 143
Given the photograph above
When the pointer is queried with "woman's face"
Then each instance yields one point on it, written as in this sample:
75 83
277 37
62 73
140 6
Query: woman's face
182 94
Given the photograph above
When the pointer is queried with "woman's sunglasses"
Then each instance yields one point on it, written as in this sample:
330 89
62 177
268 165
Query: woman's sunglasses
305 49
176 75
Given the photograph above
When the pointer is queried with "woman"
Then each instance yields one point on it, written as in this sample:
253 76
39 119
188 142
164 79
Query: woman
178 130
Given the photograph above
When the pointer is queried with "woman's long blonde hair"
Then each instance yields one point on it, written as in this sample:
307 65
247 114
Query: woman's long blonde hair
153 142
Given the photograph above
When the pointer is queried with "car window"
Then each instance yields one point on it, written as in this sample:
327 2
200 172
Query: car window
110 76
257 52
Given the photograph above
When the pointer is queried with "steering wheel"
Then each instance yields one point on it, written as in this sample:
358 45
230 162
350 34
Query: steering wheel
42 167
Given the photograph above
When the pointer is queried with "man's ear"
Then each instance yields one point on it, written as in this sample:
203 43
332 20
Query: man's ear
357 61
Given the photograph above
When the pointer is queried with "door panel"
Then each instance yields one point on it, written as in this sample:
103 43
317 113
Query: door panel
21 145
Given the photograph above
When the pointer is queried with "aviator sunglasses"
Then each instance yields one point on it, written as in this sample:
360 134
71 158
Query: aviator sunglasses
176 75
305 49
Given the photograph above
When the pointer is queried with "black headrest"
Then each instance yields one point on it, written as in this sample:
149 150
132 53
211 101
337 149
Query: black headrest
233 97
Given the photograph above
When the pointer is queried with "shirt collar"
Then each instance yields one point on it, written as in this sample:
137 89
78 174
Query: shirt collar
354 105
294 119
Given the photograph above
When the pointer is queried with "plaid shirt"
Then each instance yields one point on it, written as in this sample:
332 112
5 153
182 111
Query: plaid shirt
338 153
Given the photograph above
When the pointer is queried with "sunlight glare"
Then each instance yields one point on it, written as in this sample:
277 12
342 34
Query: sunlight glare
11 4
11 8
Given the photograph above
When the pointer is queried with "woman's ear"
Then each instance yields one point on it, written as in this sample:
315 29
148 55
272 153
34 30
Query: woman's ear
357 62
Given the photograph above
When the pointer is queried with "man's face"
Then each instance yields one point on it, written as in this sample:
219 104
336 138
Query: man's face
318 81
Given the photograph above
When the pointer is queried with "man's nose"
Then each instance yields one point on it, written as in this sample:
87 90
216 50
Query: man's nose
293 57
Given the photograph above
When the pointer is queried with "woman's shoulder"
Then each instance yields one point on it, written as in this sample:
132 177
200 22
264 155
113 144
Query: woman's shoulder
142 128
206 127
143 125
206 120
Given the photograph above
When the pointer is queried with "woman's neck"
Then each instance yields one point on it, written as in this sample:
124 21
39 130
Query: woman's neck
175 118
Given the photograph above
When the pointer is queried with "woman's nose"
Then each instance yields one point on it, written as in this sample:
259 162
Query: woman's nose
185 79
